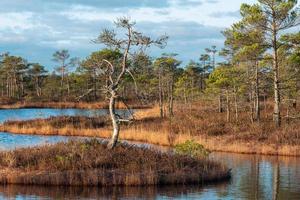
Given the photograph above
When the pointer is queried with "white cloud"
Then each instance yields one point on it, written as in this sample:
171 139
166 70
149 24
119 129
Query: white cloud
179 10
16 21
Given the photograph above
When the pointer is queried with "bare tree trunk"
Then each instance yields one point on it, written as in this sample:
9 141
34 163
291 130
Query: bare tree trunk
161 103
228 106
62 81
185 95
257 92
7 87
95 85
2 88
37 87
252 105
171 97
236 105
288 113
115 121
68 86
220 103
22 88
201 81
277 116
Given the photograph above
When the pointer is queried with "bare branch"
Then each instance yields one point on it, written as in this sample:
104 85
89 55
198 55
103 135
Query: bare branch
85 94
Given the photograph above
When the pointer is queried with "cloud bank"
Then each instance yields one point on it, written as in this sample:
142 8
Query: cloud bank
34 29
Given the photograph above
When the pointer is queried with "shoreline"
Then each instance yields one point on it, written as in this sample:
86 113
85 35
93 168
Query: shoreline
66 105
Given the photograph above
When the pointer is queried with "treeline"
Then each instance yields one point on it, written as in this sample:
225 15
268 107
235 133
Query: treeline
261 63
158 80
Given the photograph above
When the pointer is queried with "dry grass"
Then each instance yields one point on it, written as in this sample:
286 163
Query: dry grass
200 122
91 163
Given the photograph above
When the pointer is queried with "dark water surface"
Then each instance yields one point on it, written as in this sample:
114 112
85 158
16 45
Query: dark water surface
253 177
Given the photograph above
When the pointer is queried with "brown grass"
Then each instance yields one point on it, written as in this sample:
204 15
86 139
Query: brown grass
90 163
200 122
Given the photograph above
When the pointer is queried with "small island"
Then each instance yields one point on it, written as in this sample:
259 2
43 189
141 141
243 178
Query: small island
91 163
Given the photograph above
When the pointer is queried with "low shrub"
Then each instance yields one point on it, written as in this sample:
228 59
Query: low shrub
191 148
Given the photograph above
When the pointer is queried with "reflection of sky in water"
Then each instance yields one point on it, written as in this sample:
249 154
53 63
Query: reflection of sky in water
11 141
21 114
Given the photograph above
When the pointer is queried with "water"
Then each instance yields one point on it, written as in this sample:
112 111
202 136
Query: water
254 177
32 113
11 141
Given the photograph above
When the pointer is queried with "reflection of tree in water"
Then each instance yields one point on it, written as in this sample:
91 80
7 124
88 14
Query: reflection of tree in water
286 179
276 180
261 177
12 191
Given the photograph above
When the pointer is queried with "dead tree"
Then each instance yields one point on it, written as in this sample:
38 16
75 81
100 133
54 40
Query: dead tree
115 72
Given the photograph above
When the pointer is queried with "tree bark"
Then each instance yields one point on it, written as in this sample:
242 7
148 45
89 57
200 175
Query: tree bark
161 103
115 122
220 103
277 115
228 106
236 105
257 92
171 85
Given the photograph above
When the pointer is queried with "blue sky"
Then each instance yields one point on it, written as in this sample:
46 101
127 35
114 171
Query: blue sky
35 29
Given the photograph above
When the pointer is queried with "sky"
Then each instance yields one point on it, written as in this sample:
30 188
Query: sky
35 29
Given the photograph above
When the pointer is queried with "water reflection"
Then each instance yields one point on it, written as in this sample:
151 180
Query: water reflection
10 141
39 192
32 113
261 177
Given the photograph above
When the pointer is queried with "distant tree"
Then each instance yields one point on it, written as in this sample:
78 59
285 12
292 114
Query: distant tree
62 57
188 83
290 58
93 67
273 17
13 70
249 46
212 51
230 80
37 72
166 67
145 78
205 59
